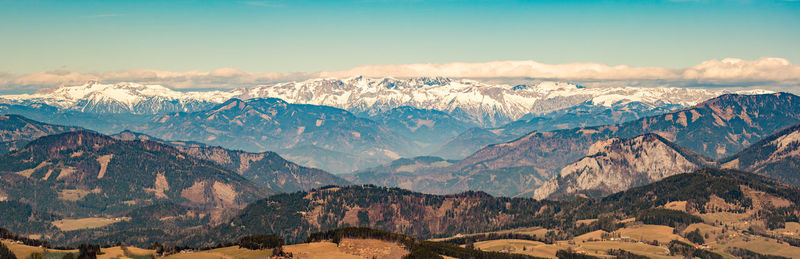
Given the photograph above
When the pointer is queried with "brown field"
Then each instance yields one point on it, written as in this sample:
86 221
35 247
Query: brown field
117 252
73 195
733 220
595 248
533 231
676 205
760 245
595 235
713 232
584 221
20 250
600 248
85 223
25 251
507 244
648 233
225 252
318 250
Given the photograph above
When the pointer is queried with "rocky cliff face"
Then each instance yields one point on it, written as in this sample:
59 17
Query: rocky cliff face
617 164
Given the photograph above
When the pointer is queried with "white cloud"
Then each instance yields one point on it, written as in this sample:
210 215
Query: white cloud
729 70
495 69
775 73
734 69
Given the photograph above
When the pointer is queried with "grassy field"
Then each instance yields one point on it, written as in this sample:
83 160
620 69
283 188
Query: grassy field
85 223
505 244
348 248
533 231
225 252
676 205
760 245
601 247
25 251
318 250
643 232
596 235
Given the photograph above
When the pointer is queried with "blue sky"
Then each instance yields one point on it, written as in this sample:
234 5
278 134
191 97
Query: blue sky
310 36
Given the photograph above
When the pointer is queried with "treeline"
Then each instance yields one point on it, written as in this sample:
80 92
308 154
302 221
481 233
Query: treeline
7 234
622 254
6 253
568 254
607 224
494 236
681 248
747 254
667 217
257 242
418 248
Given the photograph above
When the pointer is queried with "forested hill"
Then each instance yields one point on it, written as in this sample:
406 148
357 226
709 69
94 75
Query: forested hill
85 173
16 131
295 215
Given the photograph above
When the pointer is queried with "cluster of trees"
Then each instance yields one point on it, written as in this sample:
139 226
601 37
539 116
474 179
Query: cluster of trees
88 251
569 254
696 237
682 248
605 223
747 254
6 253
494 236
418 248
667 217
258 242
622 254
7 234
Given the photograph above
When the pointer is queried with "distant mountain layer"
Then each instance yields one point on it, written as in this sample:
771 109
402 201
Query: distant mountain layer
777 156
16 131
315 136
716 128
267 169
273 124
583 115
401 173
354 123
616 164
488 105
133 98
83 173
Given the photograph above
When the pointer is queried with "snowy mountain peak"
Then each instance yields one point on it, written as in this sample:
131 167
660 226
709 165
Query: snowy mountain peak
481 103
94 96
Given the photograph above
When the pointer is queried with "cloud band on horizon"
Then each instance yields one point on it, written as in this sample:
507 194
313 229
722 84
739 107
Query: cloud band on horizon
775 73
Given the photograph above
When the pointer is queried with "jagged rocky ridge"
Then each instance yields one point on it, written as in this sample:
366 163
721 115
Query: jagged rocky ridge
617 164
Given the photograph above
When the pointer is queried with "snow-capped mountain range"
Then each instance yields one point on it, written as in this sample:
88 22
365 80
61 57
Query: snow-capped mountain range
123 97
489 105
